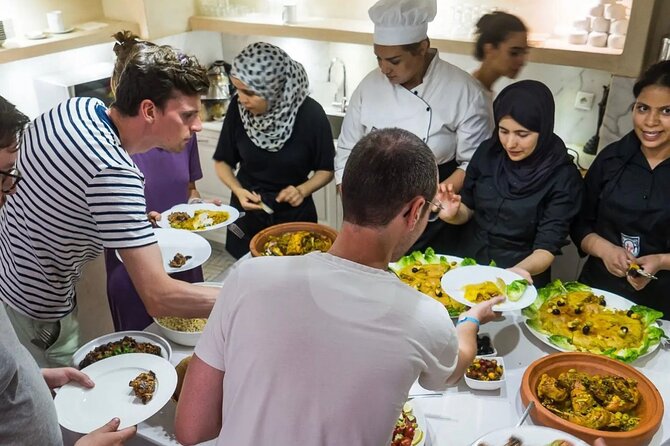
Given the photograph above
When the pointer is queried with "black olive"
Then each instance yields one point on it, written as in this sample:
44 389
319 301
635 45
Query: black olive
555 311
560 302
438 293
586 329
629 313
578 310
415 269
603 302
624 330
572 328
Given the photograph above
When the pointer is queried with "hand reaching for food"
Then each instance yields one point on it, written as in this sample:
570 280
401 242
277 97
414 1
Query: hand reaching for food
650 264
290 195
483 311
249 200
449 200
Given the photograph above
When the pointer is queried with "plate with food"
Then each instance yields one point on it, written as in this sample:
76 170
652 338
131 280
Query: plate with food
119 343
181 250
528 436
479 283
198 217
132 387
572 316
292 239
423 271
410 428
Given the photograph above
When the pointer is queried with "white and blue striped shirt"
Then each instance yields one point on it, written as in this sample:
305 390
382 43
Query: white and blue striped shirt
80 192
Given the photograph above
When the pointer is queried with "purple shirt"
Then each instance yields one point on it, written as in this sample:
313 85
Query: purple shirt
167 176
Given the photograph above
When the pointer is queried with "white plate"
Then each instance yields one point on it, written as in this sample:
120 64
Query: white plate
36 36
139 336
529 435
84 410
454 281
613 301
173 241
190 209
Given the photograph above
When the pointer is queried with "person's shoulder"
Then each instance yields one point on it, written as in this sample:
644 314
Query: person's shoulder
311 106
453 74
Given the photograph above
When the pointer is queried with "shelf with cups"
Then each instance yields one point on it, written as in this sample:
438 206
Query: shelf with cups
84 34
626 62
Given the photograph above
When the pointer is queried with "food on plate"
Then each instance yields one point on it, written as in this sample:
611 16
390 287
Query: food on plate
144 386
125 345
484 346
406 431
423 271
179 260
295 243
603 402
484 370
191 325
480 292
515 289
576 319
202 218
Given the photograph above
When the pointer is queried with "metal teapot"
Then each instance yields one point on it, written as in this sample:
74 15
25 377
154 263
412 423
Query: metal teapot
219 82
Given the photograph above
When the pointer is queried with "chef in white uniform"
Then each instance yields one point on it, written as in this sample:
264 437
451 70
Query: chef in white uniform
417 91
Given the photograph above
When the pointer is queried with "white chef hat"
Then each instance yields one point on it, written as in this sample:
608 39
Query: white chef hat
401 22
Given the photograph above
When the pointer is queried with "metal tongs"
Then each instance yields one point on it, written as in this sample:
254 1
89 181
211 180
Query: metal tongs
634 270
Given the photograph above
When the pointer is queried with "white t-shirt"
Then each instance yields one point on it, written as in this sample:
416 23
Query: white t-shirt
320 350
448 110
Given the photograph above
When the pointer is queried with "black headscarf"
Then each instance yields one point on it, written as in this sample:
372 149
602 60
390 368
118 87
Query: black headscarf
531 104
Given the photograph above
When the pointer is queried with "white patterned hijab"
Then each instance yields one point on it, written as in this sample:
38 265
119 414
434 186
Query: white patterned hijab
271 73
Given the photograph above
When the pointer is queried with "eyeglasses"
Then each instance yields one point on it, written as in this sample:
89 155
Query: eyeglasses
9 180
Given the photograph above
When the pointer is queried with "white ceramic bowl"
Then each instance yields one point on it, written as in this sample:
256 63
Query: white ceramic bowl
487 385
139 336
188 338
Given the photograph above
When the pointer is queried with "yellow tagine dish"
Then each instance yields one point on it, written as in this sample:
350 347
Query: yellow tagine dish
574 317
423 271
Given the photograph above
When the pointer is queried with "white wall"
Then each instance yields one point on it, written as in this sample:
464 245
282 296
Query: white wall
574 126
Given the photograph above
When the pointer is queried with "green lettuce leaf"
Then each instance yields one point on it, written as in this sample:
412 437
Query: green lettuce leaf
562 342
493 263
647 315
516 288
468 262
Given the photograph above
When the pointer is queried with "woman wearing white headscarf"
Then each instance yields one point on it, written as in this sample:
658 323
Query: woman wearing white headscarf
417 91
277 135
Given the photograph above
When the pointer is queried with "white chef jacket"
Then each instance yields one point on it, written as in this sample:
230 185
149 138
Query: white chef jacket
449 110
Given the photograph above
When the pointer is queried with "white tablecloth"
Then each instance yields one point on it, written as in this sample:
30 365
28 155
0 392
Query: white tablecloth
462 415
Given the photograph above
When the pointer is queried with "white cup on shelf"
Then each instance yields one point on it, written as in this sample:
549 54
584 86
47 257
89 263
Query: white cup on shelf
55 21
289 13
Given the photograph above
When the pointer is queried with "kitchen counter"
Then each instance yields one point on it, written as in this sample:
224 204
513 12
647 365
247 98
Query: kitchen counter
461 415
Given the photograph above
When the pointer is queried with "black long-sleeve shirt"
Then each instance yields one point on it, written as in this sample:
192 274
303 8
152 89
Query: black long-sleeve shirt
628 204
509 230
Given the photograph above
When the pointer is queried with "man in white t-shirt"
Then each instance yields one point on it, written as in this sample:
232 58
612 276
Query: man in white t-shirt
323 348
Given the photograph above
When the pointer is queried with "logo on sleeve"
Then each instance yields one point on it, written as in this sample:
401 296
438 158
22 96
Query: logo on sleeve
631 244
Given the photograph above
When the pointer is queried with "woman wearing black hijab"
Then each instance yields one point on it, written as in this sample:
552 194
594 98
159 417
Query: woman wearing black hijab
521 188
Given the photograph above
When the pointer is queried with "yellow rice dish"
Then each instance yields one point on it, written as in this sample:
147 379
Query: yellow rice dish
193 325
201 219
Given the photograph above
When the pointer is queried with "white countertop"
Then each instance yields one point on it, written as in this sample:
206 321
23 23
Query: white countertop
461 415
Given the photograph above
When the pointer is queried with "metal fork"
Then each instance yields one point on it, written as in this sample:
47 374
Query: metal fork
46 338
236 229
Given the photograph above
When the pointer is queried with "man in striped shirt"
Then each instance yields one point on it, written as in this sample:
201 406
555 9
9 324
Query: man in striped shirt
81 192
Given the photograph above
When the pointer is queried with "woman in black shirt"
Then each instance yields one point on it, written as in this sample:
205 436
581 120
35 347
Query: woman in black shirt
277 135
625 218
521 188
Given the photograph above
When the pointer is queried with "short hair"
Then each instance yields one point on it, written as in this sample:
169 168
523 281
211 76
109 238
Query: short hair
386 169
494 28
657 74
156 72
12 123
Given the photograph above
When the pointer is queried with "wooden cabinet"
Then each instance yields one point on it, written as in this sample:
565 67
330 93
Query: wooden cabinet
156 18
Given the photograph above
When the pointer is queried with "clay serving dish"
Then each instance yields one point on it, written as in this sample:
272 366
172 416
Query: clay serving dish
259 240
650 408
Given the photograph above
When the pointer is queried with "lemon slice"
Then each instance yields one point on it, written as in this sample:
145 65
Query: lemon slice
418 436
